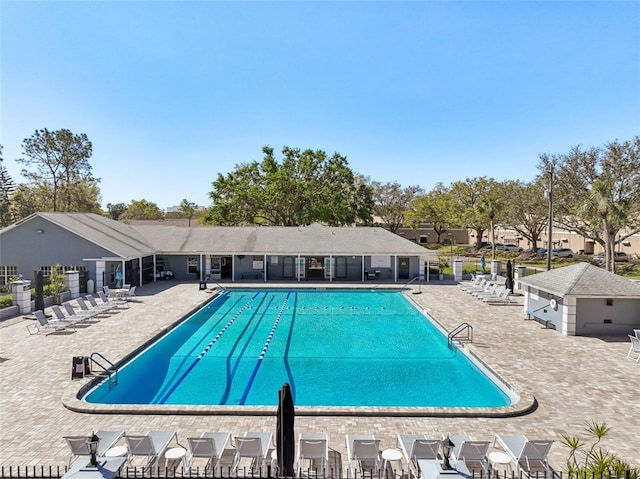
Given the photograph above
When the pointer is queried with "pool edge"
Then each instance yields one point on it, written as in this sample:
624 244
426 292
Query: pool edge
523 402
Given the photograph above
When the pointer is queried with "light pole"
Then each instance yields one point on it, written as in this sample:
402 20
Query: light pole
549 195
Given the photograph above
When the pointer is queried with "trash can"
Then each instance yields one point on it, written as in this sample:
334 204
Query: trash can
80 367
203 285
90 286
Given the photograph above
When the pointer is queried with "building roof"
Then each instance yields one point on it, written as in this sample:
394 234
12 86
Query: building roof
132 241
305 240
123 240
583 279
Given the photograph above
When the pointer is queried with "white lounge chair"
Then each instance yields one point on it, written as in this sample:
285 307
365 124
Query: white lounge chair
313 448
151 446
118 302
634 349
84 307
60 316
79 444
637 333
254 446
209 446
75 316
473 453
530 456
477 287
104 307
417 446
363 448
46 326
503 298
475 281
492 292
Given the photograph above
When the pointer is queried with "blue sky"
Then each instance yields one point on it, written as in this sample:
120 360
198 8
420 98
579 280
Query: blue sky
173 93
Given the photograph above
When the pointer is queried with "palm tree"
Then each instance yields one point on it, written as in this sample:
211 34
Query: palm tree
490 205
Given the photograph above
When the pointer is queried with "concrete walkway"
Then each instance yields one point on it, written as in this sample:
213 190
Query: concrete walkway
574 380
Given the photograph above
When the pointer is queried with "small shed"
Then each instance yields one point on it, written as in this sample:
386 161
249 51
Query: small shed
583 300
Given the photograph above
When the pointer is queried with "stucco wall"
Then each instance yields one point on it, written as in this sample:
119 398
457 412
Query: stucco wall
596 318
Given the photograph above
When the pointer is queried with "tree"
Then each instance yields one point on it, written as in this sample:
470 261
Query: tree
304 187
468 195
27 200
61 159
188 209
115 210
490 204
391 202
142 210
7 187
597 192
436 207
525 211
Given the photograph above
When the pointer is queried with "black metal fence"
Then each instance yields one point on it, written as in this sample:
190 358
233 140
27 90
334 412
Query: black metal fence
57 472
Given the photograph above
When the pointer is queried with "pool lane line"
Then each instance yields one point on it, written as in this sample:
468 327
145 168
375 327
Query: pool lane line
206 350
263 352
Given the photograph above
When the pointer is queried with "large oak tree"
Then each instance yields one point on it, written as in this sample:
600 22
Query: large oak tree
306 186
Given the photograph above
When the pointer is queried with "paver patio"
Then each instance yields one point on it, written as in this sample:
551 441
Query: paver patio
574 379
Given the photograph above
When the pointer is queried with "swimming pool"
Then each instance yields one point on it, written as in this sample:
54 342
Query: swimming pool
334 347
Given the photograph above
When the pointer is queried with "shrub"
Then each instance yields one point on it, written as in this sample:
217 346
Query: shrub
597 461
5 301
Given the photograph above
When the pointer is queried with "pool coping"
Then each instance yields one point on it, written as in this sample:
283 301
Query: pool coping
523 402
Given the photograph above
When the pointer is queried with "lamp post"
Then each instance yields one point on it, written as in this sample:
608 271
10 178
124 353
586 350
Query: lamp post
92 444
549 195
447 447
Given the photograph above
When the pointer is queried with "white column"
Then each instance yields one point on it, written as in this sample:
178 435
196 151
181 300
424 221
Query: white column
495 267
568 316
72 283
457 269
100 267
21 295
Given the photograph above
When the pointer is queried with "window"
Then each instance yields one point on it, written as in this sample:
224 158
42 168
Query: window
192 264
7 273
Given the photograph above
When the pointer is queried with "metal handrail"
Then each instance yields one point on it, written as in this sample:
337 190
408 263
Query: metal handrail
111 371
463 327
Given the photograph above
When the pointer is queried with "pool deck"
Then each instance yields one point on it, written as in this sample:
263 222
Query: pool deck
574 380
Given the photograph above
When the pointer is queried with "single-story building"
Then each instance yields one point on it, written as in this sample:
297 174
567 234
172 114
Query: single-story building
583 300
108 252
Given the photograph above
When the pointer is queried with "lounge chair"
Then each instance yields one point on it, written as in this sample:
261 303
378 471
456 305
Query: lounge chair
418 446
637 333
363 448
529 456
87 310
634 349
46 326
79 447
313 448
503 298
254 446
104 307
473 453
494 290
75 316
60 316
118 302
209 446
476 287
151 446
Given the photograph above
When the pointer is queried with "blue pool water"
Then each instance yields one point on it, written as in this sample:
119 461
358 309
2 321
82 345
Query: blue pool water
335 348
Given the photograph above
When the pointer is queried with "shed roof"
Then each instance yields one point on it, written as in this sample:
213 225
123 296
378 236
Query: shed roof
583 279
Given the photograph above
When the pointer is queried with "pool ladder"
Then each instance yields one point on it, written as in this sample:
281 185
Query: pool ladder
456 333
109 371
